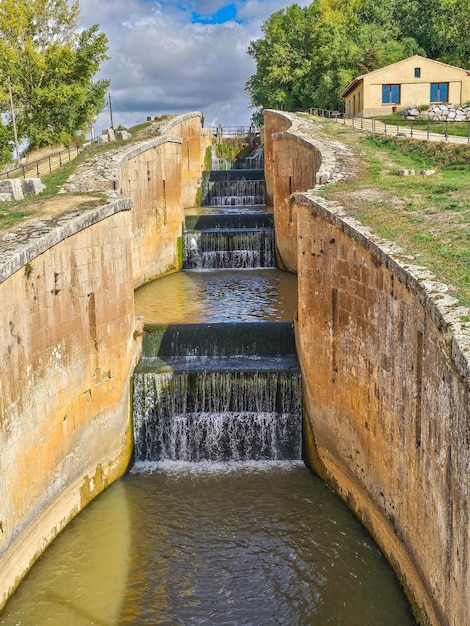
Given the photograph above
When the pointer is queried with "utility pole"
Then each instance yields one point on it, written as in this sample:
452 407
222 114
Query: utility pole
15 134
111 109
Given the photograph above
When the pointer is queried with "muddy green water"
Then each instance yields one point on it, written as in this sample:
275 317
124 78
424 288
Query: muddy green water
262 544
219 296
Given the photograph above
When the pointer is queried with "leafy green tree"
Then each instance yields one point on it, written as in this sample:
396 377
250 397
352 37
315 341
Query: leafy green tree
308 55
282 58
51 66
452 27
6 143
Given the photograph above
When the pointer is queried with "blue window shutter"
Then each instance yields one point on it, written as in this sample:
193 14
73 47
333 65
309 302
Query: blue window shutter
434 92
385 94
443 92
396 94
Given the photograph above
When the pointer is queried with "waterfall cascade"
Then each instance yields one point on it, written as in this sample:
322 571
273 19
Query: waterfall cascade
253 162
235 187
218 392
224 391
229 241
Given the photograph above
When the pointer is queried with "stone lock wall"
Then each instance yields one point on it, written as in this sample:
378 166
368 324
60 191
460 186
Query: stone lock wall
152 178
385 359
277 123
194 141
67 349
69 340
290 164
162 177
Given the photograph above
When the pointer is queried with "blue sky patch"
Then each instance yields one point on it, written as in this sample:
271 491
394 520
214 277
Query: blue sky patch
228 13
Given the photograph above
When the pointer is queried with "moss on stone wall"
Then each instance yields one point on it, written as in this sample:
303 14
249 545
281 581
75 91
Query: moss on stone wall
179 253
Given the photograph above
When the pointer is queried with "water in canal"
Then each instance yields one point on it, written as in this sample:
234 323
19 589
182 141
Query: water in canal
261 544
216 542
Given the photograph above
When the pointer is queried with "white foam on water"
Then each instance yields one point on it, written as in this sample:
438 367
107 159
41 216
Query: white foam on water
208 467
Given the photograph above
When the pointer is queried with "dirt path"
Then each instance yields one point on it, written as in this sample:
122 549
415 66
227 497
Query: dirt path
59 204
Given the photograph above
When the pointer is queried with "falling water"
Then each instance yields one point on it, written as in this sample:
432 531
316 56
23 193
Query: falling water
229 242
253 162
211 395
229 249
230 405
233 188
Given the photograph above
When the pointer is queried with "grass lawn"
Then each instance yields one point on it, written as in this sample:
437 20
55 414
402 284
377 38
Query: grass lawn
428 216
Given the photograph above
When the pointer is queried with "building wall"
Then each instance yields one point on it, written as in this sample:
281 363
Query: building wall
385 366
414 91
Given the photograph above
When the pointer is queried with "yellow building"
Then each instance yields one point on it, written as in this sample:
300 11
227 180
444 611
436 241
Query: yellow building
413 81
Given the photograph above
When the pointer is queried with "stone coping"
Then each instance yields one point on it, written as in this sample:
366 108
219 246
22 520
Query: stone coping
22 245
101 172
178 119
333 154
434 296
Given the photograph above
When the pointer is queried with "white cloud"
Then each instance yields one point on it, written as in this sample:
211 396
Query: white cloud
163 63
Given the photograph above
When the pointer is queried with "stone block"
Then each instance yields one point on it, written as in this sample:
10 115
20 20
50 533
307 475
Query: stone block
322 177
12 186
404 172
32 186
123 134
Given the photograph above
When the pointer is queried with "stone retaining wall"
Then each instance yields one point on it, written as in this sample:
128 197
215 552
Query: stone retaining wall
67 351
385 358
69 340
440 113
161 176
292 162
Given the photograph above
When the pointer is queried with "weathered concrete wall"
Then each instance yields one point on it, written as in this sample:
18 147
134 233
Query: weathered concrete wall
385 362
67 350
152 178
194 141
161 176
69 340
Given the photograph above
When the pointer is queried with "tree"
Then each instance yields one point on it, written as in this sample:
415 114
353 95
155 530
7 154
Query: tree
51 66
306 55
309 55
6 143
452 27
282 59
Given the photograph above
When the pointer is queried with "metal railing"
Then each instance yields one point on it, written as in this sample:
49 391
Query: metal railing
422 129
234 131
44 165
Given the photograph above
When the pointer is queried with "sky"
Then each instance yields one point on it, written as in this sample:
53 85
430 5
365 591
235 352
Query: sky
176 57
